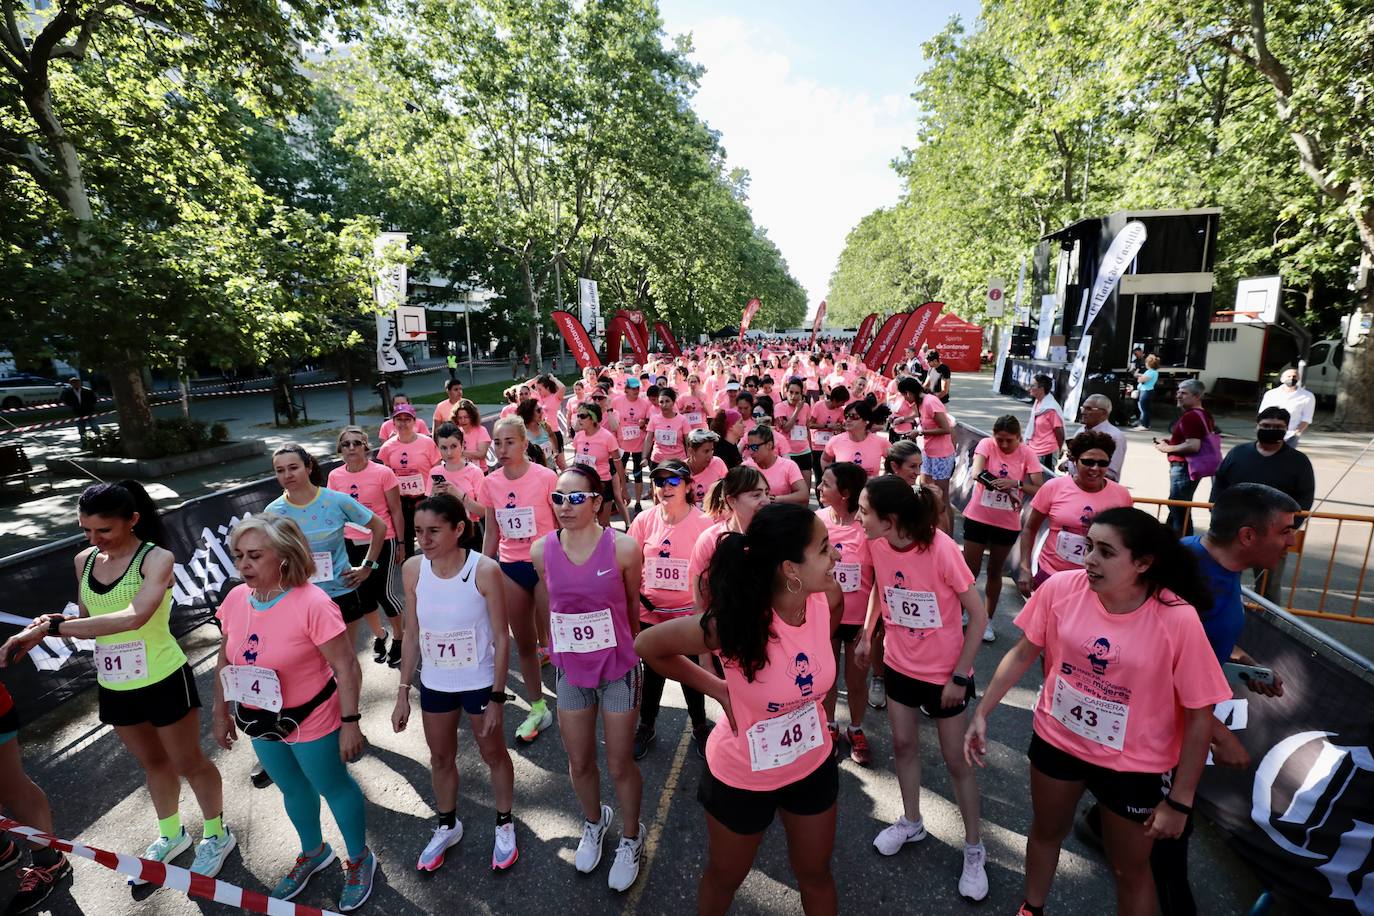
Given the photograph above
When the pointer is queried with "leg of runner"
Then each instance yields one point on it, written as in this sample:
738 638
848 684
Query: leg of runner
906 763
973 880
168 755
21 797
304 772
997 559
1128 850
1169 866
520 612
877 687
729 858
502 773
1053 803
441 736
577 728
810 844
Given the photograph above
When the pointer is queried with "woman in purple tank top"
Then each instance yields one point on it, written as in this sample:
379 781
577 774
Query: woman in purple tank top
588 594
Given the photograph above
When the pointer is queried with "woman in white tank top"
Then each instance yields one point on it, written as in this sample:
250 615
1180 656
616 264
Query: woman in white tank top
456 623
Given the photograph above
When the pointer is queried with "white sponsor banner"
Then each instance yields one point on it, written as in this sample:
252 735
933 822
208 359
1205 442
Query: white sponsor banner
1049 304
589 302
1119 256
391 292
997 292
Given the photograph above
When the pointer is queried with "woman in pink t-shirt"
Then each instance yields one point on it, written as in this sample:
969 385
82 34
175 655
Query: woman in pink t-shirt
459 478
1126 707
791 422
410 456
476 439
518 512
773 608
1004 472
706 468
858 444
921 586
1070 503
598 449
284 648
841 485
666 432
785 484
733 503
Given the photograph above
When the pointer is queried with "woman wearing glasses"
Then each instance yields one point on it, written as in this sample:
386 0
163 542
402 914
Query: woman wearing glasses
589 580
540 432
518 513
785 484
286 660
1070 503
666 535
375 486
857 444
599 450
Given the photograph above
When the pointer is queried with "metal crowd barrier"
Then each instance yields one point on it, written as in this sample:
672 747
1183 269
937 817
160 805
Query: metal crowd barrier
1324 572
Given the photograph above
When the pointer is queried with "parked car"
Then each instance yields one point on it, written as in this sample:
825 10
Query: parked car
23 389
1323 375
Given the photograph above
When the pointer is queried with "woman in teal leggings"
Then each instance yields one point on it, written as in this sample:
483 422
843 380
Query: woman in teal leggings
286 661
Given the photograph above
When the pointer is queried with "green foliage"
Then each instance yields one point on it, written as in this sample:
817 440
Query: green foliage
172 436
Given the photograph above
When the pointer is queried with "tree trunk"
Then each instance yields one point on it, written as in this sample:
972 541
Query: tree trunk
135 415
1355 396
536 339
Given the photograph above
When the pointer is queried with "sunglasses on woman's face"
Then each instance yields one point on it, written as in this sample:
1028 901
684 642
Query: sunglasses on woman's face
1094 462
584 416
353 443
572 499
668 481
753 446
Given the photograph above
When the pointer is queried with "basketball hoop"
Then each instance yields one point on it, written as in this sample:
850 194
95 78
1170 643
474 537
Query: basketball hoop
416 335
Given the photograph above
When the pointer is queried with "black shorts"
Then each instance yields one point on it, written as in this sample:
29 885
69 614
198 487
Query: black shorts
350 605
438 702
922 695
848 632
1130 795
162 704
383 587
804 460
608 492
979 533
633 460
748 812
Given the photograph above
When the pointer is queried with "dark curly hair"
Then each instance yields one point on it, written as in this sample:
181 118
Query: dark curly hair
1088 440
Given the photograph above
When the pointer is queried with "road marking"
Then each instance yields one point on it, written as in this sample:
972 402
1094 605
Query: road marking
665 804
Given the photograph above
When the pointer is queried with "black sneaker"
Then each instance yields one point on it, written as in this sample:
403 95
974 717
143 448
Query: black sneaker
36 883
644 739
699 735
379 649
259 777
10 855
393 658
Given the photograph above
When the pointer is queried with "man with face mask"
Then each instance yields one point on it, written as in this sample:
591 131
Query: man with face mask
1300 403
1269 460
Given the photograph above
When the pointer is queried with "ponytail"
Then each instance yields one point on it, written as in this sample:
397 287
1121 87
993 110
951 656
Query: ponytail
742 578
1174 567
737 480
123 500
913 510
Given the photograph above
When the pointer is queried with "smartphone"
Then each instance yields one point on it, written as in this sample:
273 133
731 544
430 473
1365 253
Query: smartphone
987 479
1243 675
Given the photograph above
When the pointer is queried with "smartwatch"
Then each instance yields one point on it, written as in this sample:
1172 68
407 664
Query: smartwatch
499 696
960 680
374 564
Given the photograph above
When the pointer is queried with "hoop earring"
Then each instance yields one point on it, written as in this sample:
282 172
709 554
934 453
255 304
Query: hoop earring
790 589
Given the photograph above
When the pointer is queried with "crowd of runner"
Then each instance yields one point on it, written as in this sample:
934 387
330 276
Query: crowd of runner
656 523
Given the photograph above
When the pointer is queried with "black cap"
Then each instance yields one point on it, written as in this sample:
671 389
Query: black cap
672 468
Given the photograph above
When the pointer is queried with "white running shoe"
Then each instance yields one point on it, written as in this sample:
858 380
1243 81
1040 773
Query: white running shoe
212 852
589 847
973 883
988 634
504 853
893 838
625 868
439 843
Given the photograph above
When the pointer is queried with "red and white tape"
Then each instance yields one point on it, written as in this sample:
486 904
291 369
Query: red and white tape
173 876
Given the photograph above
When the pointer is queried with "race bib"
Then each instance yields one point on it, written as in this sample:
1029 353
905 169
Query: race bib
121 661
324 566
823 436
1088 717
1071 547
778 741
517 522
412 485
451 649
585 459
847 574
696 418
995 499
912 609
257 686
798 433
666 573
582 632
666 437
630 430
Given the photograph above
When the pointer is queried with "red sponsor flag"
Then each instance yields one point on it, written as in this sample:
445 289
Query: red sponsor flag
619 327
750 310
914 332
816 325
861 338
666 335
576 337
876 354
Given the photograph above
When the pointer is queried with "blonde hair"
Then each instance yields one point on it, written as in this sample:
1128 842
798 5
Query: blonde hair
286 539
514 422
338 441
1152 361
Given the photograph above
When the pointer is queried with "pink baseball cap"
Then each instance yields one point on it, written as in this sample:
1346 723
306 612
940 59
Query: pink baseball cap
403 410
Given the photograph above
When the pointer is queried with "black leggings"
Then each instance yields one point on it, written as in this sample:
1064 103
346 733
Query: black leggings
653 696
408 504
382 589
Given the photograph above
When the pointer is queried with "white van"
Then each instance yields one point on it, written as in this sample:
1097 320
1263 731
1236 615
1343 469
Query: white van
1323 375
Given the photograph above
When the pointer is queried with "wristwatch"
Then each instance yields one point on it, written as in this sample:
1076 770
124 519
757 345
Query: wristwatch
960 680
500 696
55 626
372 564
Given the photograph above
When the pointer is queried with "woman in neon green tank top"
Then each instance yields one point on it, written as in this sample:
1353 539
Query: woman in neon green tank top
147 692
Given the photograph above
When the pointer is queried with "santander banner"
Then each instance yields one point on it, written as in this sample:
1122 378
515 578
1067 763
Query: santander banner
914 331
577 340
666 335
750 310
816 325
619 327
876 354
861 338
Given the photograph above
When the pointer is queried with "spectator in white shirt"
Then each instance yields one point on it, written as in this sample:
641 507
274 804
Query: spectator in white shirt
1300 403
1096 409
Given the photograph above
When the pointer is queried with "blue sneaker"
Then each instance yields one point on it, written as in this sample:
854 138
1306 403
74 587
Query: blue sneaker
300 873
357 881
164 850
211 853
